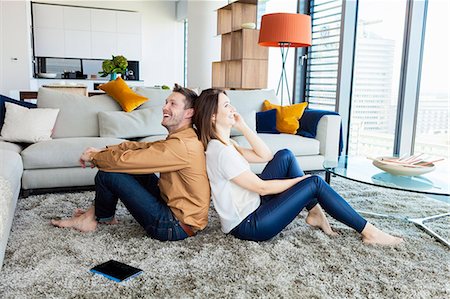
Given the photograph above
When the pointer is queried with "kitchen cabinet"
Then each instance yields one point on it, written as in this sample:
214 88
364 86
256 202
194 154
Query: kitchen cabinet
48 16
77 44
103 20
77 18
49 42
80 32
104 44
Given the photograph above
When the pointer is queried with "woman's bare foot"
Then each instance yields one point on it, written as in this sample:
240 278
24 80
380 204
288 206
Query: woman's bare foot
372 235
316 217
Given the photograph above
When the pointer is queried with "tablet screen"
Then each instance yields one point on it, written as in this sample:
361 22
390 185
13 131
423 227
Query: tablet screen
116 270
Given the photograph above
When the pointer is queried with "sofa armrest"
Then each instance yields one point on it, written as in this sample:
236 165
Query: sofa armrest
328 131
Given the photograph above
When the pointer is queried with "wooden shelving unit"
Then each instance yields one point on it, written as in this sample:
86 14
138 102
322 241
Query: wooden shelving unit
243 62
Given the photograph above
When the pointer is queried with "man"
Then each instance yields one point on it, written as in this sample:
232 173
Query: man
172 207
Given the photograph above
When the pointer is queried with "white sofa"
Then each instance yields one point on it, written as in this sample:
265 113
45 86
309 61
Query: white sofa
310 152
99 121
10 173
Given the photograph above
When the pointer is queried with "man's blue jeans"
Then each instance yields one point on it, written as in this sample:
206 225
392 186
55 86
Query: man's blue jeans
278 210
141 196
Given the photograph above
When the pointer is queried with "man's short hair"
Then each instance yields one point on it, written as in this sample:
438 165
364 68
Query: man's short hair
190 96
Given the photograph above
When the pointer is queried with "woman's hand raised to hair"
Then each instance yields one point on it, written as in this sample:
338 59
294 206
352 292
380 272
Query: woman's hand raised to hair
240 123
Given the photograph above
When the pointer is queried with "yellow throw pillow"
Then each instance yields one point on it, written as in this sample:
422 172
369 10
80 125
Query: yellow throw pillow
119 91
287 116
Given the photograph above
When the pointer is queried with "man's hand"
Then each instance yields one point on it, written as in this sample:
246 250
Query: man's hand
86 156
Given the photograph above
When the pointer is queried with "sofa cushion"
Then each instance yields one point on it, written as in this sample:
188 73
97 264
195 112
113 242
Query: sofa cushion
59 153
78 114
9 146
119 91
266 122
156 96
23 124
300 146
58 177
138 123
5 99
287 116
251 100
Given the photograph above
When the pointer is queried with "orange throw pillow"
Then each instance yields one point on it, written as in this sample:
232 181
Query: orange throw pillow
287 116
119 91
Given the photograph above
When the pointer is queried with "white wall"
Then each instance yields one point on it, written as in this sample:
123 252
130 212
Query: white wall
162 40
275 63
15 46
203 42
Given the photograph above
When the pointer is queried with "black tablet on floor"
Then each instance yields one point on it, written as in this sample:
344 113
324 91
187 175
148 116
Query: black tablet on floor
116 271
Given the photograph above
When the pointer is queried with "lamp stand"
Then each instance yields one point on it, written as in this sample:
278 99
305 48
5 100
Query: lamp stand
284 47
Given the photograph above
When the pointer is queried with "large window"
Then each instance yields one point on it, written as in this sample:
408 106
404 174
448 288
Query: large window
323 55
376 77
383 65
432 126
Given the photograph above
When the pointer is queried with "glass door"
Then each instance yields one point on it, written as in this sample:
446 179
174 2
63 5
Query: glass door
432 126
377 66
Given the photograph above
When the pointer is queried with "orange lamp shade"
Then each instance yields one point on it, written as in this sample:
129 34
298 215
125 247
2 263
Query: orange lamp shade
290 28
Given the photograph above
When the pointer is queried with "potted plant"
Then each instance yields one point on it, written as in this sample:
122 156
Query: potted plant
117 65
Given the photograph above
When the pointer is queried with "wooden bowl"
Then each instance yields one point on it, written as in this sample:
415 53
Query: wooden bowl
398 169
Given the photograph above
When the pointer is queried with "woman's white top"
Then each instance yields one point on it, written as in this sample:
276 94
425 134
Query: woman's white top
232 202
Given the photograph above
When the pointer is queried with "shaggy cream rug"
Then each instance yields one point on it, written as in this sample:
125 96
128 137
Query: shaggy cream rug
42 261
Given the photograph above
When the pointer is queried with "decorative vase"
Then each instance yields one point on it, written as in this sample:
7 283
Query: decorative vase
113 76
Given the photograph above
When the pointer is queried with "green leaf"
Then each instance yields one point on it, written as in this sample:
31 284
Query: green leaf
117 70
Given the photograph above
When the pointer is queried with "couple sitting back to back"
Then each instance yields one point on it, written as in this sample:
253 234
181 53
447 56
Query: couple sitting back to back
175 205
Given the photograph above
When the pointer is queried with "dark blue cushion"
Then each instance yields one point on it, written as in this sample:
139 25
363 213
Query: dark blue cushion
4 99
310 120
266 122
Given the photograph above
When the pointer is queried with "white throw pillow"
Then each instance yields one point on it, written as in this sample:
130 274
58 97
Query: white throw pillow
28 125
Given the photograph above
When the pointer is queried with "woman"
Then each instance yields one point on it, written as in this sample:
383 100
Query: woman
257 208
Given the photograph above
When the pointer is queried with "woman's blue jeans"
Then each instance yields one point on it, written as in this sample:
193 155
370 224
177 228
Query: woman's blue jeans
141 196
278 210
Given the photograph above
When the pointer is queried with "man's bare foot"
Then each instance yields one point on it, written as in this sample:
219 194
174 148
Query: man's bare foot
81 223
111 222
316 217
78 212
372 235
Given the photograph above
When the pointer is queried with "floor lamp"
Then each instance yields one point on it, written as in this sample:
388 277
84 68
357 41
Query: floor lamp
285 30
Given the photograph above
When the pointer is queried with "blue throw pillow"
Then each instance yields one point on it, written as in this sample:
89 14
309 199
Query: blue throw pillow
266 122
4 99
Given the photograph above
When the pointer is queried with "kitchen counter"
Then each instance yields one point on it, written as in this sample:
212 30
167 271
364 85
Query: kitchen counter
36 83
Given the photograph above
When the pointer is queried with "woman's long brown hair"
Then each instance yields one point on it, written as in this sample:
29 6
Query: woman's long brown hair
205 107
